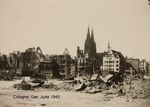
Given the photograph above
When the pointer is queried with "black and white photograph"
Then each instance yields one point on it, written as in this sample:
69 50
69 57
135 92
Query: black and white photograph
74 53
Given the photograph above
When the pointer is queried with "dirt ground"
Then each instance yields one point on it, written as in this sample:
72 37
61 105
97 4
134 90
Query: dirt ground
9 98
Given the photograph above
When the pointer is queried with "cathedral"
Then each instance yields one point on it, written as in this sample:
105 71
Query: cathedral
90 45
86 59
110 60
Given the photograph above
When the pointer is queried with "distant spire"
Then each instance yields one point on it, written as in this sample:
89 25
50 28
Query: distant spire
92 35
93 45
87 42
108 45
88 33
88 37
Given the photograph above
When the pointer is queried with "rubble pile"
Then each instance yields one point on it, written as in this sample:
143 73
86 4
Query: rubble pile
137 88
7 76
22 86
92 85
131 88
60 86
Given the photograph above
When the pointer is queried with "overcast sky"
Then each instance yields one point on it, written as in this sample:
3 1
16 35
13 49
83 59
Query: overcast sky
58 24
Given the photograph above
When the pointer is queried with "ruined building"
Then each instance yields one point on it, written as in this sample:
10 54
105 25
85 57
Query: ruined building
64 61
132 66
143 66
13 59
83 63
30 59
3 62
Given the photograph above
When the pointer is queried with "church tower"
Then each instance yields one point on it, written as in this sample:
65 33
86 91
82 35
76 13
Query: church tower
87 43
90 45
93 45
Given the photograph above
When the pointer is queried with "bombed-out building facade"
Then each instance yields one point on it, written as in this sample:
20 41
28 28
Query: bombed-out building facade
64 61
132 66
30 59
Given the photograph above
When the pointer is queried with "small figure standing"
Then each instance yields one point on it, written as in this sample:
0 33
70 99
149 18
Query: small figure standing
120 92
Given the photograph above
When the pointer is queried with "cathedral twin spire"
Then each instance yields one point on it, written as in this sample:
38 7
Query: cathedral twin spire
90 37
90 45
